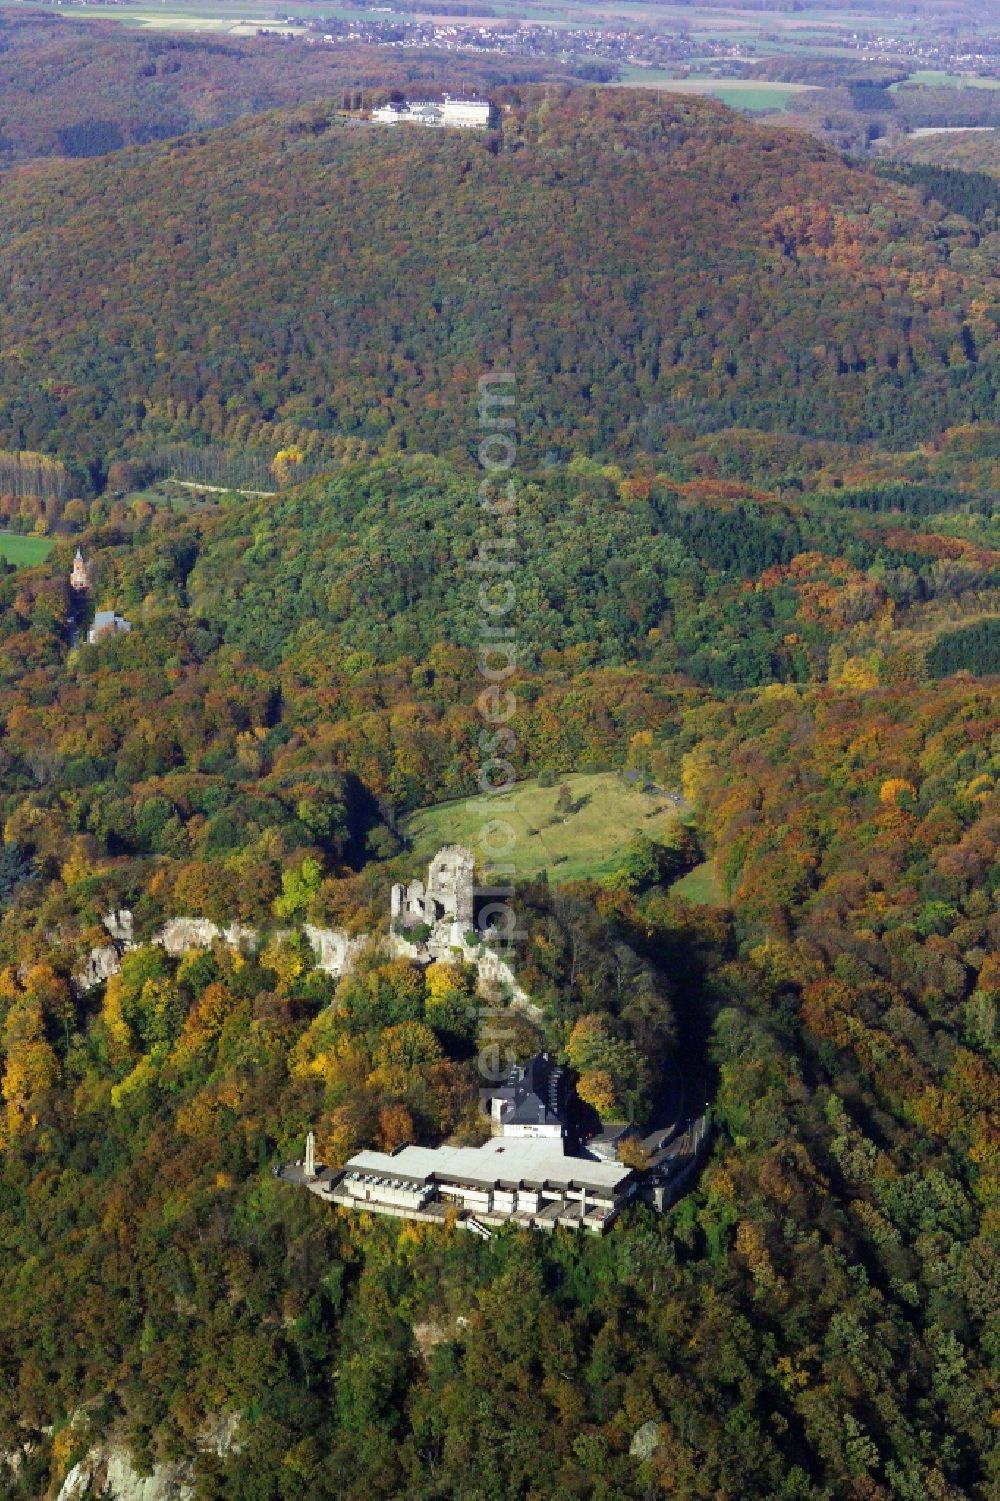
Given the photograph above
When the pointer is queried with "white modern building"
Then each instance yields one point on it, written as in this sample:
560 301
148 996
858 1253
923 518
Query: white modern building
470 114
462 114
529 1180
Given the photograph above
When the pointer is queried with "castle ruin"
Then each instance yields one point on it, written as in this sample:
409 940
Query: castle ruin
428 921
446 898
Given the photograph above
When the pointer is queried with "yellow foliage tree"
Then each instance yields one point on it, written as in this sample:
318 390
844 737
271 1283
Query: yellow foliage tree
285 462
597 1089
857 676
895 789
395 1127
586 1039
32 1066
697 773
443 983
119 1035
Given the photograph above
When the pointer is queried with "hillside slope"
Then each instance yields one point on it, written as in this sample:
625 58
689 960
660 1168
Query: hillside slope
84 88
640 266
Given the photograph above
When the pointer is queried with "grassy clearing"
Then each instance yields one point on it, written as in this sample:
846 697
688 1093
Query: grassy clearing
586 842
701 886
23 552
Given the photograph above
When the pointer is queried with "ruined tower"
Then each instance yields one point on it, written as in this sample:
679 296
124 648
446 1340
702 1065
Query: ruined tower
446 898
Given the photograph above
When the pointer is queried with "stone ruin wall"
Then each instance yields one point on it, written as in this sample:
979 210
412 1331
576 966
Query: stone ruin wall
445 904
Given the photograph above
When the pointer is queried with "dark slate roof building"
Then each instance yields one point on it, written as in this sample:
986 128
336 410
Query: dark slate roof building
533 1100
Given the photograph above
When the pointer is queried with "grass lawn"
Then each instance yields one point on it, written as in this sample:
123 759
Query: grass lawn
932 79
701 886
170 495
587 842
24 551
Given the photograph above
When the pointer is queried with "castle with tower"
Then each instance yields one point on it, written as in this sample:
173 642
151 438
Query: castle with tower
79 579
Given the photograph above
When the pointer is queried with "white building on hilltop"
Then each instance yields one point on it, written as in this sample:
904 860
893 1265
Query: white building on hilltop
534 1183
470 114
461 114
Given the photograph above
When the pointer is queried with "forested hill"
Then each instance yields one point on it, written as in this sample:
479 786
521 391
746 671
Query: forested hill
815 1320
645 266
82 88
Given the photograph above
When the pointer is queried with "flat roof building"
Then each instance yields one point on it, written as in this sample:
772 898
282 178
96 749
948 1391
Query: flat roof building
462 114
475 114
529 1180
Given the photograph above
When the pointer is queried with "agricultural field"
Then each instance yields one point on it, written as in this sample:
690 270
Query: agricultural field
23 552
588 841
740 93
931 78
737 93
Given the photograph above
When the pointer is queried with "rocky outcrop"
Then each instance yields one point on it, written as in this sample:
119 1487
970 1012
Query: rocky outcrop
645 1441
181 934
428 922
107 1470
102 962
121 928
335 952
496 975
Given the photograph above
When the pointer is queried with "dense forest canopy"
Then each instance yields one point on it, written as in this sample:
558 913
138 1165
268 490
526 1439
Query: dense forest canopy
759 567
230 762
82 88
646 266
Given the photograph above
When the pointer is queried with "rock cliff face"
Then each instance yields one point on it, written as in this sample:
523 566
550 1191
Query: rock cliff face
107 1471
428 922
183 933
102 963
335 952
